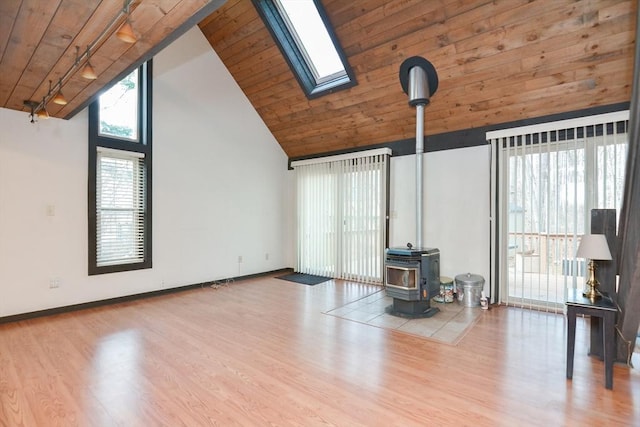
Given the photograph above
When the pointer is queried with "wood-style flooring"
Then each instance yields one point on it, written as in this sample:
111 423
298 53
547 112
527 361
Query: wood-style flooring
260 352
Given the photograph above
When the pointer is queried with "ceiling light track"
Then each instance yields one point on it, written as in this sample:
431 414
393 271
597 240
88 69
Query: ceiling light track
124 32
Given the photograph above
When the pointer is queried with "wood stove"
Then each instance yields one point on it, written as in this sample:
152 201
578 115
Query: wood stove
412 278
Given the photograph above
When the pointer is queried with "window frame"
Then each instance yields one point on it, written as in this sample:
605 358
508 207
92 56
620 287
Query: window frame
142 146
296 59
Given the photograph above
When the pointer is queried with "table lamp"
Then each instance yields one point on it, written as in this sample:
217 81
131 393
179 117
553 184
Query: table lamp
594 247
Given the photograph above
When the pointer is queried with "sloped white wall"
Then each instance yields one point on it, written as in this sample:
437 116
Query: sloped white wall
220 191
456 211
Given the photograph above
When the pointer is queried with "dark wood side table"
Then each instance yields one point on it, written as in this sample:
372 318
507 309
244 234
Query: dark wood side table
606 310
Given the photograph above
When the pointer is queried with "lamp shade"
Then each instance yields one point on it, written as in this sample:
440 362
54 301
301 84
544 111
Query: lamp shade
59 99
594 246
42 113
88 72
125 33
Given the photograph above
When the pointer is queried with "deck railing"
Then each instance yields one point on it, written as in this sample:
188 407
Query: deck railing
545 253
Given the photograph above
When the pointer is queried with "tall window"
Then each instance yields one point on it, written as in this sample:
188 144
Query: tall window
305 37
552 176
341 215
120 175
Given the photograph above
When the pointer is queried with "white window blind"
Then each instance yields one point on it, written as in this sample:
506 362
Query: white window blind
341 215
551 177
120 207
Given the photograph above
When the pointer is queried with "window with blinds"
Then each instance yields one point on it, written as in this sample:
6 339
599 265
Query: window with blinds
551 176
119 190
120 207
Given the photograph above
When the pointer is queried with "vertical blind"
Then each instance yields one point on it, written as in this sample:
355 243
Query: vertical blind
552 175
341 215
120 207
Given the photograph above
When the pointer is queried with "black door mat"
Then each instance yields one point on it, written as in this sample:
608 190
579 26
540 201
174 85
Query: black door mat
305 279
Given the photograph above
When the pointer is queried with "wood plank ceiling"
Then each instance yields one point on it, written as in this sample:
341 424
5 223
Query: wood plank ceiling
38 40
498 61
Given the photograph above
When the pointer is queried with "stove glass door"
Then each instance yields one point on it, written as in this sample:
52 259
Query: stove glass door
402 277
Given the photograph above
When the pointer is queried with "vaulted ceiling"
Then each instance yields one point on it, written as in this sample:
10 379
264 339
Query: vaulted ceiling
38 40
497 61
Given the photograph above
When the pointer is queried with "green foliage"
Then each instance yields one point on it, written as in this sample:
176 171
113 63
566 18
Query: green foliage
115 130
127 83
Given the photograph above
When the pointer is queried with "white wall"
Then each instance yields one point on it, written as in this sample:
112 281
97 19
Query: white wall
456 210
220 191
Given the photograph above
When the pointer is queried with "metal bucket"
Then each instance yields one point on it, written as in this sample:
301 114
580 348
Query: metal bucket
471 286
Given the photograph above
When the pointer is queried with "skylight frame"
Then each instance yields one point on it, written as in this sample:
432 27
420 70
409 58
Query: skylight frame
297 58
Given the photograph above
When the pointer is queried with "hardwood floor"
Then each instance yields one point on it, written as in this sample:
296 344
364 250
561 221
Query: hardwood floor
260 352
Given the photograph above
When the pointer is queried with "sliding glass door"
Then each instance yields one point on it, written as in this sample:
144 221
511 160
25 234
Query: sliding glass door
341 216
551 177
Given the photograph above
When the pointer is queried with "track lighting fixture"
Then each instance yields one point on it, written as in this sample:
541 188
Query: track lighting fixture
42 112
124 33
88 72
59 98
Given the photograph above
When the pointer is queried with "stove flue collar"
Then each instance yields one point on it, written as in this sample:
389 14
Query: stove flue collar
419 80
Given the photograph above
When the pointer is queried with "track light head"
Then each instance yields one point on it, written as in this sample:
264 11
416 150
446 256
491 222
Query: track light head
88 72
125 32
42 113
59 98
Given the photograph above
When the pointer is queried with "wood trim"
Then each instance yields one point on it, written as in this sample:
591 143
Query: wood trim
126 298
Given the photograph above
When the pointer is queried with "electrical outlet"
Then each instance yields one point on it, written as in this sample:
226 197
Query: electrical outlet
266 256
239 259
54 283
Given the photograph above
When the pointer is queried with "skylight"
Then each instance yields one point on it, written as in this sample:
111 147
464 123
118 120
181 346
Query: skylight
304 21
305 37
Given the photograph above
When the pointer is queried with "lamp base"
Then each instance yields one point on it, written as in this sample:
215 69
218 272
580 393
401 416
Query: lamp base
592 294
592 291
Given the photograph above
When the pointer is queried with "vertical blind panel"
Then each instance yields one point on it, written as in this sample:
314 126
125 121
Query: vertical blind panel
550 181
316 224
363 234
120 209
341 209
